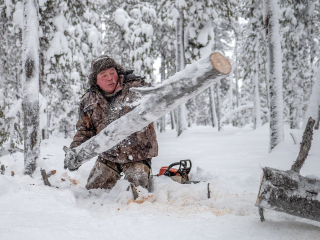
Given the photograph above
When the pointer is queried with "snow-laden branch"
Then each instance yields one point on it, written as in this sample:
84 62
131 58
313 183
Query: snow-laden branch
236 110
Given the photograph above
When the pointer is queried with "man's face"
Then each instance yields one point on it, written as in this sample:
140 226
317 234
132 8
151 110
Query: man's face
107 80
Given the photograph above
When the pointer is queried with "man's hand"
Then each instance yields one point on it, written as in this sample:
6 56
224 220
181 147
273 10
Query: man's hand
70 160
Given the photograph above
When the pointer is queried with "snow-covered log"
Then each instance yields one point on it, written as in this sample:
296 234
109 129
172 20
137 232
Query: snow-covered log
154 103
289 192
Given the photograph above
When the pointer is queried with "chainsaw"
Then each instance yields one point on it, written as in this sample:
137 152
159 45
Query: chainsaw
180 175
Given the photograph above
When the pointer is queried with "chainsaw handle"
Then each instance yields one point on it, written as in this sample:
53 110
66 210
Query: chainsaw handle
182 163
166 173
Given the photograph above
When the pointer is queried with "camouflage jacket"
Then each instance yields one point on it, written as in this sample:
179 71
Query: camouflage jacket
97 111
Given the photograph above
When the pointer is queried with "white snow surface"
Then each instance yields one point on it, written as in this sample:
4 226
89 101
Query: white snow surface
230 160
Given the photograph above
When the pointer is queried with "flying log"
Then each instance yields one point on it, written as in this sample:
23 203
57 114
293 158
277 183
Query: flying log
153 103
288 191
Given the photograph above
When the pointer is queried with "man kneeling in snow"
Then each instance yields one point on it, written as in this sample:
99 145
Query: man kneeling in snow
108 99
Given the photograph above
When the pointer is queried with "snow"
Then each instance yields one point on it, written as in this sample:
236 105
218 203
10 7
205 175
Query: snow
60 23
121 17
230 160
17 107
18 15
314 101
42 2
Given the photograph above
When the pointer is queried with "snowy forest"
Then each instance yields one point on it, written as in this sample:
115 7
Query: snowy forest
46 50
174 33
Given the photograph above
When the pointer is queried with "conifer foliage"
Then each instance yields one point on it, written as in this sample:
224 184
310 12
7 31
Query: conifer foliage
274 54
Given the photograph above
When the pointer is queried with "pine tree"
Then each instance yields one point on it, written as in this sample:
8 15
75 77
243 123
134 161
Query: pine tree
275 72
10 72
31 85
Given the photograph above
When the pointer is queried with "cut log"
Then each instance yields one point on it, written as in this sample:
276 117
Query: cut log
289 192
154 103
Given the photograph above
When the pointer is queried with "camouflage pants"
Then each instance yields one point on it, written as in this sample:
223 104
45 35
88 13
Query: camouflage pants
105 174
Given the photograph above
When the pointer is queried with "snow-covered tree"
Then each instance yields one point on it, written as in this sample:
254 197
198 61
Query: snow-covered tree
297 69
271 17
31 85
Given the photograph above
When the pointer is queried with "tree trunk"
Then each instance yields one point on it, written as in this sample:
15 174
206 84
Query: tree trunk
316 126
31 85
256 101
231 91
235 69
314 102
212 107
163 77
172 120
218 112
48 122
156 102
275 74
180 63
267 84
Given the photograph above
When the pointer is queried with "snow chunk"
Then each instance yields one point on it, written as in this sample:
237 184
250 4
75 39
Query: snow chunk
42 2
17 107
94 38
121 17
60 23
18 15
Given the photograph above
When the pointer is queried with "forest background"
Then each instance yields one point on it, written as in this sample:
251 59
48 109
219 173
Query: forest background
136 33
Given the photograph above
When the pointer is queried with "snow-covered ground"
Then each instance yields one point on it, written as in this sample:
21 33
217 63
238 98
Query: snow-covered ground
230 160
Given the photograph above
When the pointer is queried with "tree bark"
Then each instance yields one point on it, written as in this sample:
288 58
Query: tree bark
305 146
180 63
172 119
235 67
163 77
44 177
289 192
212 107
31 85
316 126
218 106
256 101
275 74
155 102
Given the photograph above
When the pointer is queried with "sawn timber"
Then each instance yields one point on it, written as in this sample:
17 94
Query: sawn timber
154 103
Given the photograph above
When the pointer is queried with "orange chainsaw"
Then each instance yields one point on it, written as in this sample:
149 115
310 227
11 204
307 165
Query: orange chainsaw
180 175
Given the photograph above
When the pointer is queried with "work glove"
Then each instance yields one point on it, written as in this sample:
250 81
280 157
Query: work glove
70 160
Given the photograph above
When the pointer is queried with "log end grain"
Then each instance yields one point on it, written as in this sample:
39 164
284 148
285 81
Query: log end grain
220 63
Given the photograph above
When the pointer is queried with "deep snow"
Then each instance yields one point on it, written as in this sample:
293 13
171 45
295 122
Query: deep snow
229 160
